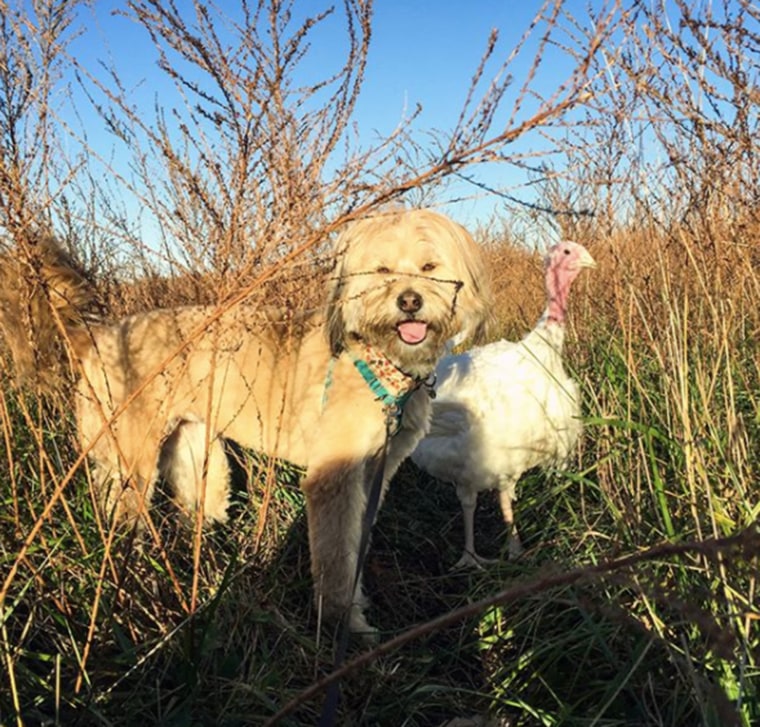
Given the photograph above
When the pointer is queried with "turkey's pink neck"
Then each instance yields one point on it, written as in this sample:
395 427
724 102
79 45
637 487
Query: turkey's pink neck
557 289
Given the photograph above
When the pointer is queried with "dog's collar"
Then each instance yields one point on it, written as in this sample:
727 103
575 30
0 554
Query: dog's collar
388 383
391 385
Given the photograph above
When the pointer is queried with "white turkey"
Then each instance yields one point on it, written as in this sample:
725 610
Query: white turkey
506 407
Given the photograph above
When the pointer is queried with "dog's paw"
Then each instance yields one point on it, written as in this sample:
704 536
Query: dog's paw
359 626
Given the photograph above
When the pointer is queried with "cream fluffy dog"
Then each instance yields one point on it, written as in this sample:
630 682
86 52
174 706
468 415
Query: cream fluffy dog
159 391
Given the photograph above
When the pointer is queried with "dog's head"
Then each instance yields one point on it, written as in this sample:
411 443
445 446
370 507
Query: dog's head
407 282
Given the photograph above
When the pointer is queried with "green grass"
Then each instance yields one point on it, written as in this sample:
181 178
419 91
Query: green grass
99 633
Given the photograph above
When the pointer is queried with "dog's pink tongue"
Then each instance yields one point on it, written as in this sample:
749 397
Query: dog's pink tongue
412 331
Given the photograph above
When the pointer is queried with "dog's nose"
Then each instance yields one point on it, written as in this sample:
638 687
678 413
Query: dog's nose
409 301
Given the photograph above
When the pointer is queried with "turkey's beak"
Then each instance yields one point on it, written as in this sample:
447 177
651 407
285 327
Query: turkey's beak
585 260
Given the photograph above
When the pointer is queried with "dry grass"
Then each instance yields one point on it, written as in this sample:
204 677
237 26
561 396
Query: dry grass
670 382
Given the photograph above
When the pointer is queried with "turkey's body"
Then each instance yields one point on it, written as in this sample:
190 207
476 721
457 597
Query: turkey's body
503 409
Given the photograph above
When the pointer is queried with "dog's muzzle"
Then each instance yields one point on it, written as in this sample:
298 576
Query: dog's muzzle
411 331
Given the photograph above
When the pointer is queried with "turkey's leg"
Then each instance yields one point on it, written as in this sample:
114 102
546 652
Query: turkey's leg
514 546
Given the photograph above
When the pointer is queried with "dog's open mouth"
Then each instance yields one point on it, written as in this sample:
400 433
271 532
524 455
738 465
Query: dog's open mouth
412 332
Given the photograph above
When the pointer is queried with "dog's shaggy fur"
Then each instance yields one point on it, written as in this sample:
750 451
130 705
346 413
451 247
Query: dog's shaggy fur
159 391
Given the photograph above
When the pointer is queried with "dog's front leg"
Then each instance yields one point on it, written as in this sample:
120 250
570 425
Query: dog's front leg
335 503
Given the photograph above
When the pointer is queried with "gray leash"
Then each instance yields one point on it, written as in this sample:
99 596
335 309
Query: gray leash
330 707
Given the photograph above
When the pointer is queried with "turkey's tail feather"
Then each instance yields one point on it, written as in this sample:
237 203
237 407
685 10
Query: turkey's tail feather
47 301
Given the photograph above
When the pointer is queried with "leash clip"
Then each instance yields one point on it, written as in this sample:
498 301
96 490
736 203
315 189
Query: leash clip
429 385
393 413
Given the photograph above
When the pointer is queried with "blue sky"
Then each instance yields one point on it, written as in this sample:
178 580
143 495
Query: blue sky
422 52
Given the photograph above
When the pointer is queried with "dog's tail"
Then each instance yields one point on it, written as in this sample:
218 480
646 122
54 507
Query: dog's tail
47 304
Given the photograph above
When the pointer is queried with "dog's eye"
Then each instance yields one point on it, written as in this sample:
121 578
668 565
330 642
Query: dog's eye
383 270
429 267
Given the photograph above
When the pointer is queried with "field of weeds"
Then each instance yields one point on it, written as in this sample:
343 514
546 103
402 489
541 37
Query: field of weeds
636 600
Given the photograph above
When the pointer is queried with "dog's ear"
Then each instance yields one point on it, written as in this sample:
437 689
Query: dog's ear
481 319
335 325
482 332
475 301
336 330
